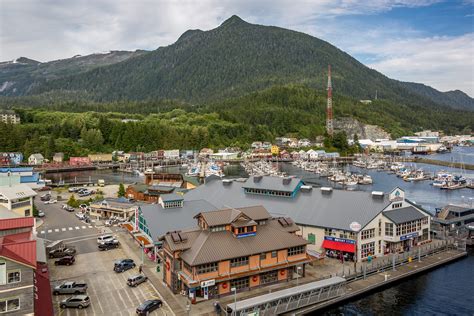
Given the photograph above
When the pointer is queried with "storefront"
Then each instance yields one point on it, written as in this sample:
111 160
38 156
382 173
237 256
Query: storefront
336 246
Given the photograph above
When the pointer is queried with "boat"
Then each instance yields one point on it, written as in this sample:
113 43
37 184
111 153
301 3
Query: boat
364 179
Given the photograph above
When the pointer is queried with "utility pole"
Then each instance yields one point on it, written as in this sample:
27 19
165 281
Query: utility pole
329 122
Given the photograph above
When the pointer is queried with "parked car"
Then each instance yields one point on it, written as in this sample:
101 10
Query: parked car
41 213
80 215
84 193
149 306
69 208
70 288
109 245
45 188
62 252
136 280
122 261
65 261
124 265
78 301
45 197
74 189
83 207
51 202
105 238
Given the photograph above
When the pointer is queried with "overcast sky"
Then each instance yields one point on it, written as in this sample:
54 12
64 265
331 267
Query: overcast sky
427 41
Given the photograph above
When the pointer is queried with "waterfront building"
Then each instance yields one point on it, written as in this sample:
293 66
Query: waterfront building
171 154
240 248
147 193
17 199
112 207
20 175
224 156
388 221
175 180
58 157
9 117
79 161
9 158
275 150
100 157
304 142
453 217
24 278
35 159
205 152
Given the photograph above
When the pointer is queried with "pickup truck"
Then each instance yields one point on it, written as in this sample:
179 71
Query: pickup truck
62 252
70 288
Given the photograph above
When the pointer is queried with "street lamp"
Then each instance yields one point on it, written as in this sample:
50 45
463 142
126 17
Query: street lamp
234 289
297 275
143 248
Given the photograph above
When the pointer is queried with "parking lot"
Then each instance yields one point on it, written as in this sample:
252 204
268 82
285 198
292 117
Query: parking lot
108 291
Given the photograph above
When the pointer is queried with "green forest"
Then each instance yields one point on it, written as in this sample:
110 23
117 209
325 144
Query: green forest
78 127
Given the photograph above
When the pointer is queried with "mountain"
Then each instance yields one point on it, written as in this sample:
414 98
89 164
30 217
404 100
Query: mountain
19 76
232 60
455 99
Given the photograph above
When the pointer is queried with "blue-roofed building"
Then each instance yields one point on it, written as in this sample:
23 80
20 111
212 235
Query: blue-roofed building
21 175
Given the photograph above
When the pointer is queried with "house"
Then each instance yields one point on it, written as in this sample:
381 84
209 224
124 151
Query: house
9 117
267 145
295 155
256 145
261 153
304 142
24 278
230 248
292 142
224 156
58 157
79 161
275 150
303 154
100 157
171 154
36 159
17 199
110 207
355 222
285 155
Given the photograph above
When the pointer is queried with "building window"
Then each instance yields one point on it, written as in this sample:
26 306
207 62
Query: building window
396 205
312 238
368 233
206 268
425 220
14 276
241 261
241 230
274 254
388 229
9 305
425 234
367 249
218 228
296 250
269 277
27 212
187 267
240 284
263 256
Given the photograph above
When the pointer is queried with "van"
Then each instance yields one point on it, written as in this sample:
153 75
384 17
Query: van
104 238
101 182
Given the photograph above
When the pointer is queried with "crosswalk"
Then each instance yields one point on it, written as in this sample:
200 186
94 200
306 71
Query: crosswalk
63 229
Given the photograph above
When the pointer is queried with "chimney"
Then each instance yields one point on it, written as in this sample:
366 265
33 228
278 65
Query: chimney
257 179
286 181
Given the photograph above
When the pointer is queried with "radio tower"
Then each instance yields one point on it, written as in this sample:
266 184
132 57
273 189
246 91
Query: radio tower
329 125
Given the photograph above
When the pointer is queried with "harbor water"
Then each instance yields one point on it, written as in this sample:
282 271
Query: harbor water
447 290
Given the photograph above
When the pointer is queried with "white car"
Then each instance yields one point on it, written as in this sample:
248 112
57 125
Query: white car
41 213
51 202
105 238
80 215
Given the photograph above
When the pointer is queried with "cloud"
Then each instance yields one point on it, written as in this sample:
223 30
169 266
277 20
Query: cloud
52 29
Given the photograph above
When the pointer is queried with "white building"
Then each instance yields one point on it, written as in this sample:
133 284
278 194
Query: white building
36 159
9 117
171 154
17 199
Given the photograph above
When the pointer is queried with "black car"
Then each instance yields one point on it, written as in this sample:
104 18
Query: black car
65 261
45 197
149 306
108 245
123 261
124 266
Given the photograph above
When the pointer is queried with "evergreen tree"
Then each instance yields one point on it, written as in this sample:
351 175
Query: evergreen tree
121 190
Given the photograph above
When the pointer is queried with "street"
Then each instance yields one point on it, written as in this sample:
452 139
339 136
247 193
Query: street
108 291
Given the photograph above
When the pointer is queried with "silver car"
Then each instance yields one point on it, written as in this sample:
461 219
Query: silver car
135 280
77 301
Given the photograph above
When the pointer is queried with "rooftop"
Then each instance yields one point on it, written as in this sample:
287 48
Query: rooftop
171 197
17 191
272 183
403 215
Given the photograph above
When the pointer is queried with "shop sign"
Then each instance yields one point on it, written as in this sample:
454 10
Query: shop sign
246 235
344 240
208 283
409 236
355 227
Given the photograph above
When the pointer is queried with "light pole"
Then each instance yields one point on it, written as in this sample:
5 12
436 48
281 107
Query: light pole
188 308
143 248
297 275
234 289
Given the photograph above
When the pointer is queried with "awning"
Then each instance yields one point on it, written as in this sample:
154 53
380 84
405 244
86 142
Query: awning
129 227
144 241
337 245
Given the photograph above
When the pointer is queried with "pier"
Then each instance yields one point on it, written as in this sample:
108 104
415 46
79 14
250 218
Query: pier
383 276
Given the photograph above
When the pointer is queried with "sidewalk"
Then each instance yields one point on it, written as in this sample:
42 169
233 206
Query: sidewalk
149 269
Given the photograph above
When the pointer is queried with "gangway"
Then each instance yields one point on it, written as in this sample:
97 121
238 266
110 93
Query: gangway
289 299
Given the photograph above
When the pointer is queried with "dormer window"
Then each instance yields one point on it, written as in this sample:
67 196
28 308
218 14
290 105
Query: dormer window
219 228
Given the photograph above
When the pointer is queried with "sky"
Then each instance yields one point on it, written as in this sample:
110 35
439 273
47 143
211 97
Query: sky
426 41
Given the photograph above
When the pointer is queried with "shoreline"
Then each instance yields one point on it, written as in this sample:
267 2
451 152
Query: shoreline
458 165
